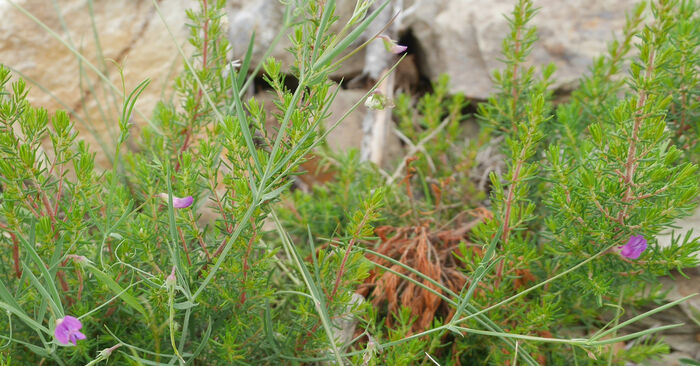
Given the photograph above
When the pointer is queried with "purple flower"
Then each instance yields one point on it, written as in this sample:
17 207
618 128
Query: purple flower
170 280
397 48
391 45
634 247
77 258
68 330
177 201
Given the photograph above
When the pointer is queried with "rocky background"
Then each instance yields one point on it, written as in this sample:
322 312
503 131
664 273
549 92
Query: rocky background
459 37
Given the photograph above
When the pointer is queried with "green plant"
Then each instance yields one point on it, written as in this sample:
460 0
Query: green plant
582 179
126 251
168 257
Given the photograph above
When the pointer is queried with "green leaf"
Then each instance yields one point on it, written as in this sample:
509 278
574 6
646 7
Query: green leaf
116 288
243 70
24 317
51 292
273 194
329 55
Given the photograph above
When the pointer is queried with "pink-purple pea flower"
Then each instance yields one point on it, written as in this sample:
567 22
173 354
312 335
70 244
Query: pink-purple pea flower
68 330
171 280
391 45
634 247
177 201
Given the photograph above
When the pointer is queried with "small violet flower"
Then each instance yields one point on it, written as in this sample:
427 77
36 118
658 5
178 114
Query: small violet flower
391 45
77 258
68 330
634 247
171 280
177 201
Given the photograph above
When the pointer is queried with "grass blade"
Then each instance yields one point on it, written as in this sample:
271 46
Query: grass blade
317 294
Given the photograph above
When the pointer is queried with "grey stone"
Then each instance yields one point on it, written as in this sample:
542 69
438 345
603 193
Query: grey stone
131 34
683 226
671 359
463 38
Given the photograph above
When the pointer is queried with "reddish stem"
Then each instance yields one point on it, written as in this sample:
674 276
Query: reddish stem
221 208
64 286
185 144
33 207
184 246
338 277
15 255
204 247
245 261
341 270
47 204
58 195
506 219
630 165
199 237
220 248
684 101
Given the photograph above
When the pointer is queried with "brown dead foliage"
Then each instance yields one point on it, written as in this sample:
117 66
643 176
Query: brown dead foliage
429 252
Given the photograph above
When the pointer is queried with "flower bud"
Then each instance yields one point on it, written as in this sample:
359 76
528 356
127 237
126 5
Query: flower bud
171 280
377 101
392 46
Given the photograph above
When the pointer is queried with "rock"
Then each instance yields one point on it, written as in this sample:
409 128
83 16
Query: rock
461 38
683 226
680 287
671 359
348 134
683 344
464 38
264 18
684 341
131 34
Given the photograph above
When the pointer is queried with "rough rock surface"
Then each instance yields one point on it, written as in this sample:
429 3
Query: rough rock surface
458 37
684 341
684 225
672 359
463 38
131 33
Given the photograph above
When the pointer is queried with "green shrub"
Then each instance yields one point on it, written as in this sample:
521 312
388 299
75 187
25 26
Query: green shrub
170 256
